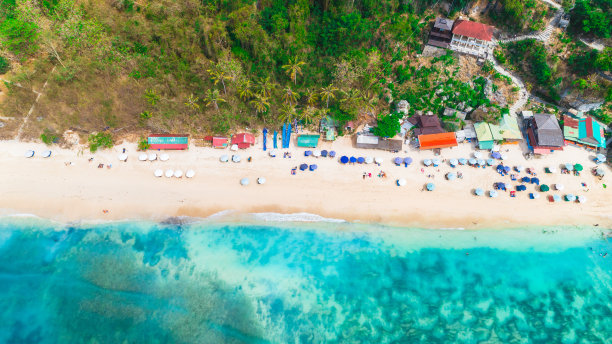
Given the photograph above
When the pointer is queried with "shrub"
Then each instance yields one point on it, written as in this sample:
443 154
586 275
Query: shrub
143 144
4 65
387 125
48 137
19 36
104 140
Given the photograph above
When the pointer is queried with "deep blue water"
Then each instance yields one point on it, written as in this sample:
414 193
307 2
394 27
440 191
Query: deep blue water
301 283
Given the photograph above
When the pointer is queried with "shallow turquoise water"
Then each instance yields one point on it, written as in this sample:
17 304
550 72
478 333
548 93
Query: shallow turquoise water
301 283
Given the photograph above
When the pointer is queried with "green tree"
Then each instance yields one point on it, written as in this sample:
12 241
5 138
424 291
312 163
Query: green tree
100 140
289 96
260 103
19 36
4 65
293 68
328 93
286 113
217 75
387 125
311 97
245 89
266 86
212 98
192 102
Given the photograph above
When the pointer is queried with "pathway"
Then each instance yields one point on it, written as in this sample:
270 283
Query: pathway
593 45
27 117
543 35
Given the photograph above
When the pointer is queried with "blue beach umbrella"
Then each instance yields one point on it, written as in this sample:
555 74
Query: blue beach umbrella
535 181
274 143
332 154
360 160
479 192
344 159
451 176
519 168
397 161
556 198
303 167
435 162
525 180
453 162
472 161
430 186
521 188
463 161
507 169
500 167
490 162
496 155
324 153
352 160
569 166
313 167
492 193
407 160
427 162
481 162
534 195
570 197
307 153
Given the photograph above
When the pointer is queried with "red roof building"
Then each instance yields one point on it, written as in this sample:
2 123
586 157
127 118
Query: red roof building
441 140
217 141
472 29
472 38
243 140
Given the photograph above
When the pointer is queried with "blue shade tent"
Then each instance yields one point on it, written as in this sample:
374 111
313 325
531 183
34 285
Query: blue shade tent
451 176
352 160
569 167
490 162
313 167
274 144
570 197
303 167
535 181
472 161
332 154
407 161
430 186
307 153
453 162
360 160
265 135
521 188
435 162
526 180
344 159
479 192
492 193
427 162
324 153
397 161
463 161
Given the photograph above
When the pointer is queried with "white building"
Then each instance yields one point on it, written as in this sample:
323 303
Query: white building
472 38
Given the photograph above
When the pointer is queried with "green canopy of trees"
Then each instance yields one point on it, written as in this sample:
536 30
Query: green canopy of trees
387 125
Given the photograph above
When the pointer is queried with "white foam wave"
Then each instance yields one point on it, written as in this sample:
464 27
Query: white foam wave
295 217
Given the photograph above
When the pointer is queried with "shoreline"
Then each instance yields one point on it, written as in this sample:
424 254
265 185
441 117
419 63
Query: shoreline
51 189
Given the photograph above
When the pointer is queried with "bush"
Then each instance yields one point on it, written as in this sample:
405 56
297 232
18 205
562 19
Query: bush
143 144
388 125
4 65
19 36
48 137
104 140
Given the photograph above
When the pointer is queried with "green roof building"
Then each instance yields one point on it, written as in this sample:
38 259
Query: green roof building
310 141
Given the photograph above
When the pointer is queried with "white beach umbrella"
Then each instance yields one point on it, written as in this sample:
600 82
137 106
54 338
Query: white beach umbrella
495 148
190 173
122 157
46 154
504 157
273 153
224 158
244 181
600 171
369 160
234 147
29 154
164 157
261 180
236 158
316 153
478 155
559 186
401 182
169 173
582 199
142 157
152 157
178 173
552 169
378 160
535 195
159 173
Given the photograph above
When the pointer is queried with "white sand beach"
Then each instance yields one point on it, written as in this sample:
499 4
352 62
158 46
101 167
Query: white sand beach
67 187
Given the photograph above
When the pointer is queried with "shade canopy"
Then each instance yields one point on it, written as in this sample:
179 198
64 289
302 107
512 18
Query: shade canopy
152 157
427 162
407 160
332 154
352 160
578 167
46 154
479 192
570 197
521 188
344 159
473 161
142 157
504 156
492 193
463 161
451 176
544 188
234 147
190 173
313 167
361 160
519 168
324 153
600 158
481 162
556 198
534 195
316 153
158 173
582 199
122 157
261 180
369 160
535 181
496 155
178 173
435 162
600 171
397 160
478 155
307 153
169 173
401 182
551 170
379 160
453 162
29 154
525 179
224 158
569 166
236 158
507 169
303 167
559 186
244 181
490 162
164 157
430 186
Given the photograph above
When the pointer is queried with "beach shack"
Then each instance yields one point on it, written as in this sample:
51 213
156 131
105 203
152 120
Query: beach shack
168 141
509 129
243 140
544 133
440 140
217 141
487 135
369 141
309 141
426 124
328 126
584 131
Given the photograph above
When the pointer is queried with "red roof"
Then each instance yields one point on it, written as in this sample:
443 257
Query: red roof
473 29
243 140
441 140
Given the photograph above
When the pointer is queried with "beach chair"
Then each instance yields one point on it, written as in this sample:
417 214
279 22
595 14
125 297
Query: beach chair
513 177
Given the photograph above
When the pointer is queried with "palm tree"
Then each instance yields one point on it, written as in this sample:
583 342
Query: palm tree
369 101
286 113
311 97
245 90
212 97
327 93
260 103
289 96
351 95
293 68
192 102
309 115
266 86
217 75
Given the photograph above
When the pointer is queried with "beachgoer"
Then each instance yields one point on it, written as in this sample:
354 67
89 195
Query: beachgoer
123 150
249 159
370 175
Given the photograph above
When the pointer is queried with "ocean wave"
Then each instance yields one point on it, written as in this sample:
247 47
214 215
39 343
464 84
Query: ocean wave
294 217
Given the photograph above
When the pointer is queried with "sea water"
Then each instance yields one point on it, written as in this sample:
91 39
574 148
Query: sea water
296 282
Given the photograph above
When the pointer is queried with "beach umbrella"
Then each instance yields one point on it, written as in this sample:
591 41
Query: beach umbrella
152 157
426 162
569 166
29 154
324 153
158 173
519 168
303 167
544 188
261 180
507 169
556 198
46 154
600 158
500 167
244 181
453 162
551 170
397 161
122 157
224 158
190 174
473 161
430 186
451 176
344 159
234 147
463 161
525 179
578 167
401 182
535 181
313 167
570 197
559 186
479 192
478 155
316 153
360 160
352 160
504 156
496 155
142 157
169 173
435 162
534 195
272 153
407 160
265 138
600 171
521 188
332 154
369 160
236 158
164 157
492 193
178 173
481 162
379 160
490 162
307 153
582 199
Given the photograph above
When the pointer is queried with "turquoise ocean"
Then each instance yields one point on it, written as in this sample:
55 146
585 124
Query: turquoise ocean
216 281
